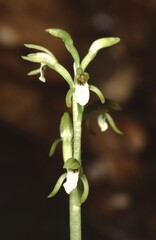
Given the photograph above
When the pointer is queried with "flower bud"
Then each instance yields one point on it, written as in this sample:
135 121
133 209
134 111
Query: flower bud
66 131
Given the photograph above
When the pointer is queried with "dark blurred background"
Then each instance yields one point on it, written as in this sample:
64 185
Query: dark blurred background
121 169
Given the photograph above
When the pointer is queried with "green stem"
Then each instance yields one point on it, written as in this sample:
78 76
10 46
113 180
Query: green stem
77 128
75 215
74 202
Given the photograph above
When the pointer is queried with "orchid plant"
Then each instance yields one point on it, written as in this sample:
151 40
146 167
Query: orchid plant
74 180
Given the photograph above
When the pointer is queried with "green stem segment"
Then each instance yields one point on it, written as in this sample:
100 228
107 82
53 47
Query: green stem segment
75 201
77 128
75 215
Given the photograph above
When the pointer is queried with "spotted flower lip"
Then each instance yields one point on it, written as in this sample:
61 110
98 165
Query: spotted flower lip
82 93
71 181
102 123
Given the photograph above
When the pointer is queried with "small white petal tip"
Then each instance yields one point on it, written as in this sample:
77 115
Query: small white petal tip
102 123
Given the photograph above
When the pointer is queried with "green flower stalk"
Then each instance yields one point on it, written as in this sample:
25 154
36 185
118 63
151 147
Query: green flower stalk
73 179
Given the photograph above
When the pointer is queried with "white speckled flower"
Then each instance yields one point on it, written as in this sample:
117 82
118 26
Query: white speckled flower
82 93
71 181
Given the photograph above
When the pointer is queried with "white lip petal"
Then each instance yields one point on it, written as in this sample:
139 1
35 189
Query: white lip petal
42 78
71 182
82 94
102 123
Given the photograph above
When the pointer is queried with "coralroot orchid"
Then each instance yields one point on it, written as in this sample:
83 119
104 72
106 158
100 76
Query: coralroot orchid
77 97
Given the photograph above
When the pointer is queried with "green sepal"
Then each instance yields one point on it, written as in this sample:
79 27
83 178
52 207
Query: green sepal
85 192
66 129
72 164
64 73
97 92
58 185
37 47
53 147
34 72
95 47
41 57
103 43
112 124
66 38
69 97
51 62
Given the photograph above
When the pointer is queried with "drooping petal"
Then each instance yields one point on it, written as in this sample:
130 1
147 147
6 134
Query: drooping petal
98 93
85 188
69 97
57 185
82 93
112 124
53 147
42 69
72 180
102 123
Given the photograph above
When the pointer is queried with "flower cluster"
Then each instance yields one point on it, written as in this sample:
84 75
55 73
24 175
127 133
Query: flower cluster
79 89
79 85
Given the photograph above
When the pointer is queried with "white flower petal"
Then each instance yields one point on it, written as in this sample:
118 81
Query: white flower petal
82 94
42 78
71 182
102 123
